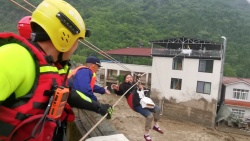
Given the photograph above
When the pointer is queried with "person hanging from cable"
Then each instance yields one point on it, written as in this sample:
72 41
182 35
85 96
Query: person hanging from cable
35 102
83 78
135 95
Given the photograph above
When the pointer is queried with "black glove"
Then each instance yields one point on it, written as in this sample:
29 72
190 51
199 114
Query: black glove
104 109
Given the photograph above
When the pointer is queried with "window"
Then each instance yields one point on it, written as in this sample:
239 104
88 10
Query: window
175 83
111 73
177 64
240 94
206 66
238 113
203 87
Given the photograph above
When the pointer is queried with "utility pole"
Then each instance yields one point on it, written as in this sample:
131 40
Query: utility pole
219 103
222 62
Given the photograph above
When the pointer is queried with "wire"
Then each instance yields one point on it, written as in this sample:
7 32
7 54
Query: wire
104 54
107 113
99 51
162 100
29 4
88 44
20 6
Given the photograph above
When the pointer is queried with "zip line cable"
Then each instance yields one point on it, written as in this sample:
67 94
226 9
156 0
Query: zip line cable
20 6
93 47
184 52
99 51
107 113
29 4
104 54
90 45
109 57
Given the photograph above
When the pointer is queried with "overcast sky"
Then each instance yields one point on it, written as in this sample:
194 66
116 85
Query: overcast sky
248 1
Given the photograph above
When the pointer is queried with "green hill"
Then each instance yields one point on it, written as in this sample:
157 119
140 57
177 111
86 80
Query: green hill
122 23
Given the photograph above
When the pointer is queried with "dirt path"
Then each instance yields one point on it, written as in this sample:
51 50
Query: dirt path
131 124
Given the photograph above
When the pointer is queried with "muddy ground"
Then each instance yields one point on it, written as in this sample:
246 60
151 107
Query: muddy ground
131 124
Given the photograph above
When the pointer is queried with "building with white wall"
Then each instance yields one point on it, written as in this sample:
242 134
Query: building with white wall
109 70
126 59
236 97
186 74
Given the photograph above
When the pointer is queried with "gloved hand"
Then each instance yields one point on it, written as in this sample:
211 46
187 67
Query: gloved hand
106 108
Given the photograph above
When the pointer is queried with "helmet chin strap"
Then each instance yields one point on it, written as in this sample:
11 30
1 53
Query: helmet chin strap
59 58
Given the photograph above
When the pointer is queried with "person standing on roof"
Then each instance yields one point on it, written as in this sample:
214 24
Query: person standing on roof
83 78
27 99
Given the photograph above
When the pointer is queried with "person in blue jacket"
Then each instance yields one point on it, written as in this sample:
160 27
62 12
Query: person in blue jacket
83 78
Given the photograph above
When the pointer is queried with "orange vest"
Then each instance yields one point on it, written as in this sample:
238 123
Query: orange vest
93 79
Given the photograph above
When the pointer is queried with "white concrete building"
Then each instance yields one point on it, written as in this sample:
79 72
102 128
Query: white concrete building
186 74
110 70
183 85
235 95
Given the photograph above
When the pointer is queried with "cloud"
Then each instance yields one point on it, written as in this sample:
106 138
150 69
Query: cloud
248 1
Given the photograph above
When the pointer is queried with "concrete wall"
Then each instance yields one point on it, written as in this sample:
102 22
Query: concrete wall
229 90
136 68
126 68
186 103
229 96
247 110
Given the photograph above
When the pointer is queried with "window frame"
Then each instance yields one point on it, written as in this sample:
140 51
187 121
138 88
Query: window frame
203 62
238 112
240 94
176 83
176 62
203 87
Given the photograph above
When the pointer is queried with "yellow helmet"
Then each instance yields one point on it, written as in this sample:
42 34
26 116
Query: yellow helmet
62 22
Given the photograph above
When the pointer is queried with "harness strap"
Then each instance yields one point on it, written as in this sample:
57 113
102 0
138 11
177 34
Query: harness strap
39 105
21 116
6 129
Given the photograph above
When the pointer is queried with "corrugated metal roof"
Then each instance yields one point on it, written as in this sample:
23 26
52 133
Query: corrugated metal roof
194 44
237 103
131 51
233 80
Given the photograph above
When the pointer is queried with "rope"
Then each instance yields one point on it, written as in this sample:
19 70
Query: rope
107 113
88 44
29 4
20 6
99 51
104 54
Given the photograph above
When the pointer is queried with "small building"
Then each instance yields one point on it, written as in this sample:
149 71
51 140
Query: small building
235 95
186 75
125 60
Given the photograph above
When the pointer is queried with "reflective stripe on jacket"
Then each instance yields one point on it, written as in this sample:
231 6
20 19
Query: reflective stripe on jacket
93 79
21 115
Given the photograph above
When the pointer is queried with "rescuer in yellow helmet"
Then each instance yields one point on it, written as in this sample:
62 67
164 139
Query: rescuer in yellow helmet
35 100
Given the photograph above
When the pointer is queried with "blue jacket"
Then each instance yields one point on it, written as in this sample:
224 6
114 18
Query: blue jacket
82 81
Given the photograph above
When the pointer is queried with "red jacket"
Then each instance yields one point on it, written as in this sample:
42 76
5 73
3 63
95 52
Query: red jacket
18 120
